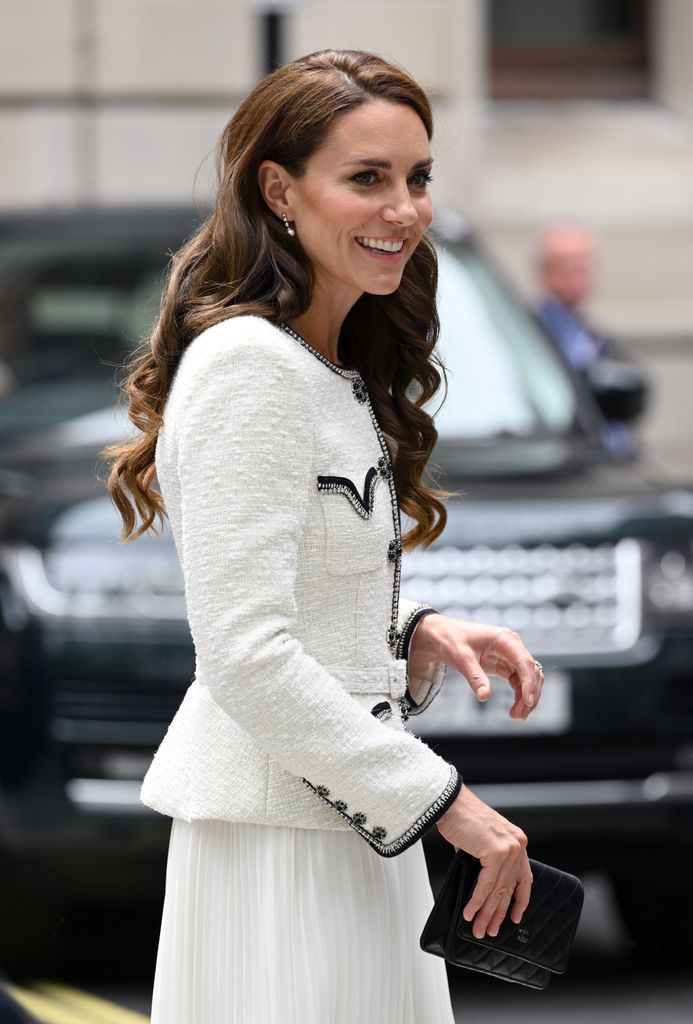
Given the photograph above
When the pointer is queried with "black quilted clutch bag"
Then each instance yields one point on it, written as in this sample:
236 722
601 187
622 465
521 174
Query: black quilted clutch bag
527 953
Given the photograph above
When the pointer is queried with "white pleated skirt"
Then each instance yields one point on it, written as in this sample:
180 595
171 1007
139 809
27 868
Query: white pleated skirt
264 924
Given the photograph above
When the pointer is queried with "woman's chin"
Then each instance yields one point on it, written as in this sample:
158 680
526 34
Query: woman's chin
384 287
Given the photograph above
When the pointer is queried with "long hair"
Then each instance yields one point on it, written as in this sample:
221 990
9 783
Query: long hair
241 261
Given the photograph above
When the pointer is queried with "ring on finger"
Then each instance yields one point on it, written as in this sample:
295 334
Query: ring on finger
539 665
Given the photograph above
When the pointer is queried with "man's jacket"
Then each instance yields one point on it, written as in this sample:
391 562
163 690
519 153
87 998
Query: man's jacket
278 485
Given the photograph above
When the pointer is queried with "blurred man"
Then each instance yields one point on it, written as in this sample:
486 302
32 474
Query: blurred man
566 260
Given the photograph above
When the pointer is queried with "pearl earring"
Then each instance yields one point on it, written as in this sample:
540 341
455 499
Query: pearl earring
289 229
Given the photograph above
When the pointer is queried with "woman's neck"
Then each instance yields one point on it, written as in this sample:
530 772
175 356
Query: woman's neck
321 323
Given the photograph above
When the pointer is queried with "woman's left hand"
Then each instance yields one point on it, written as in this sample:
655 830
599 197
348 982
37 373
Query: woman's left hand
477 650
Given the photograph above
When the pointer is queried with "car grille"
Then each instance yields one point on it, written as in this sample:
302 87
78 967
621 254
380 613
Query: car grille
574 599
96 714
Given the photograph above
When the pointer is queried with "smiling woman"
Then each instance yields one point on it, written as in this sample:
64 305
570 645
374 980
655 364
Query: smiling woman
274 401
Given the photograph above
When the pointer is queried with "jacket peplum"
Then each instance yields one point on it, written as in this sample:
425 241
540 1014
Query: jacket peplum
278 486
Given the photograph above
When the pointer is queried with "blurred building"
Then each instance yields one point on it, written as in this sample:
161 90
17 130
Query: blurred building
580 109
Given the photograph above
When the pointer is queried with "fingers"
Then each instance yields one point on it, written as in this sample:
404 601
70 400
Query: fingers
532 684
493 901
498 915
527 678
523 891
505 655
519 899
477 678
497 889
520 708
482 891
491 898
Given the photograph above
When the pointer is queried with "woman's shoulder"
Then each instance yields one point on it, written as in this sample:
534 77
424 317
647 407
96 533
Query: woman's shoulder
246 351
242 357
237 339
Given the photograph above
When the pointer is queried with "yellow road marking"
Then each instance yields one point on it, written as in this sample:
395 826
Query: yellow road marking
43 1009
53 1003
93 1008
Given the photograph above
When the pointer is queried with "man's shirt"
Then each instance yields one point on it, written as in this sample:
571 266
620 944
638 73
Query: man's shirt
582 345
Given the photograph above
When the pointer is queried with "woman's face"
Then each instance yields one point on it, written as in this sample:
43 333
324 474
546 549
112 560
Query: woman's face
362 204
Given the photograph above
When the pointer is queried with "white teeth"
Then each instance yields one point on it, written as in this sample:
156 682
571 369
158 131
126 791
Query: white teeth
379 243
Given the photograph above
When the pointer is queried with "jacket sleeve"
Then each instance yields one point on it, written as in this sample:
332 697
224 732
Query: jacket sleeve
423 687
245 469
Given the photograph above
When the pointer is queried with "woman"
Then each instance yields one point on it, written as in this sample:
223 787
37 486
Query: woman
280 399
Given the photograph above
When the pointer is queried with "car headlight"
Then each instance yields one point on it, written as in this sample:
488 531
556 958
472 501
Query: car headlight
668 581
96 581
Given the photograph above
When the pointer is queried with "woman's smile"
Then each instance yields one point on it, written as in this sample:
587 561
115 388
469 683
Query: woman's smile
382 247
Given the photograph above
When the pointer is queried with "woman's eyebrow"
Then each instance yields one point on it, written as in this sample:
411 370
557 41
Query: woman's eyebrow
385 165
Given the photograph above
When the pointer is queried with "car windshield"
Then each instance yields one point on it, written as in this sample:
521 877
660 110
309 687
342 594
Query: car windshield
72 308
504 379
69 313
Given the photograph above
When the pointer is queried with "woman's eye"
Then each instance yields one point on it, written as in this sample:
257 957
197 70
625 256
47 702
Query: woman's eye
365 177
419 180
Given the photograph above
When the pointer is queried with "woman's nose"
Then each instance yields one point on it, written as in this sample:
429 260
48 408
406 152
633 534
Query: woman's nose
400 209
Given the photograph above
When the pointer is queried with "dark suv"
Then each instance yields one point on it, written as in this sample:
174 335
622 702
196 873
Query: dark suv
588 557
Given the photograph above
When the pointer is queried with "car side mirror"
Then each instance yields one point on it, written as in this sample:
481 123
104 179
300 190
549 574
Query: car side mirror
620 389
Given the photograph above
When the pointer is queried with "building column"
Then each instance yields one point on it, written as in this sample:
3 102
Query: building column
672 53
460 111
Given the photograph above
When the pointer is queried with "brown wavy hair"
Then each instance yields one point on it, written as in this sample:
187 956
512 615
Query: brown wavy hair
241 261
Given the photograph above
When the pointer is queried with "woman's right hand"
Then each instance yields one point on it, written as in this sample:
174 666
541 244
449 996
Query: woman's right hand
505 878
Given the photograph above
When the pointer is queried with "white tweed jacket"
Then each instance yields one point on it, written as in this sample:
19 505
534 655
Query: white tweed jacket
278 485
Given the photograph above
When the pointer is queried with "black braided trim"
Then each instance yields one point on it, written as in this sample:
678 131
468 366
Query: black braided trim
343 485
406 633
343 371
414 832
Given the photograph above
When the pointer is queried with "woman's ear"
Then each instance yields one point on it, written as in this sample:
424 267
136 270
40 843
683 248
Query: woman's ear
274 181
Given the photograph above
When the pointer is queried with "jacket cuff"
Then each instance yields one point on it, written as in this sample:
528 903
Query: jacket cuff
376 836
423 687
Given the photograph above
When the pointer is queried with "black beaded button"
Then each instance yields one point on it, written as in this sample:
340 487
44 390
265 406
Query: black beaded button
340 805
379 833
359 388
394 550
404 708
384 467
322 791
358 818
392 636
